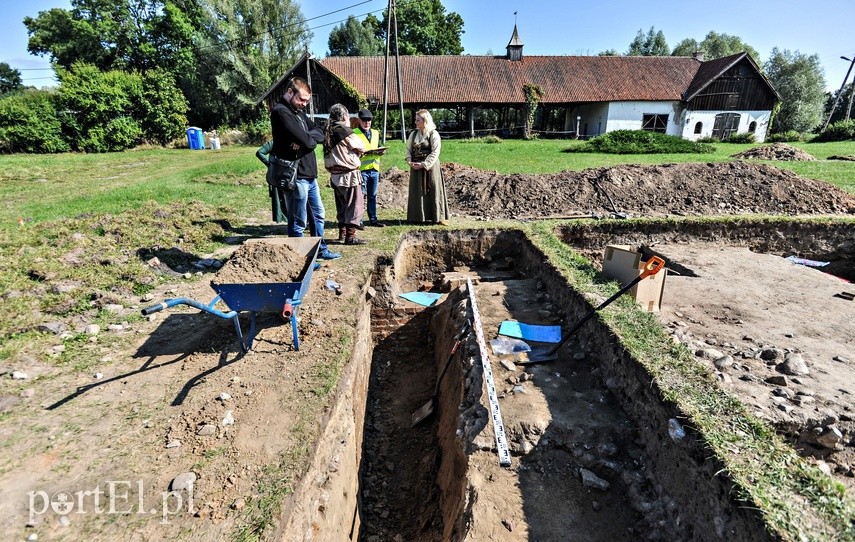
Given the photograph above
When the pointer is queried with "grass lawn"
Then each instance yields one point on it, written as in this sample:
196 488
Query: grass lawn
37 188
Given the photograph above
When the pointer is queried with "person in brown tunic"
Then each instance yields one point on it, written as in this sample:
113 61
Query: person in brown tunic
342 152
426 202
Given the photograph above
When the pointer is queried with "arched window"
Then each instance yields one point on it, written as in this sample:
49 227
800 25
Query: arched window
752 127
698 127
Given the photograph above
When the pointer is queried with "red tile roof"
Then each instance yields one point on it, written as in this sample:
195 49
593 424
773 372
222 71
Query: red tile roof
494 79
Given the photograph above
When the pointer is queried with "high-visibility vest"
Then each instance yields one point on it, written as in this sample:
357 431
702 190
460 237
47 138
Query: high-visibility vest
370 161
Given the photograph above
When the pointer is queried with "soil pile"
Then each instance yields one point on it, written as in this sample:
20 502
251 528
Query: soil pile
680 189
775 151
257 262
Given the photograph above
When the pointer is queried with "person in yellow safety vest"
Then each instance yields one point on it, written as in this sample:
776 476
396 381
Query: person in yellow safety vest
370 168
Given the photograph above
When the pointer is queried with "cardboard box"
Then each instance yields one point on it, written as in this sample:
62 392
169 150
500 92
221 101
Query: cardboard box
622 263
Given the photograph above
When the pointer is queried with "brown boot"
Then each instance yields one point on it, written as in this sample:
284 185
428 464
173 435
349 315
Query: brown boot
350 238
342 232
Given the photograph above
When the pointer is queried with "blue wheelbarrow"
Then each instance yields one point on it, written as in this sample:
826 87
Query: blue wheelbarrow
283 298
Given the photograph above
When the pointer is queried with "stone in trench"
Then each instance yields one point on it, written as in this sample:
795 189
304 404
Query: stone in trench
723 363
777 380
589 479
183 481
206 430
830 437
56 328
794 364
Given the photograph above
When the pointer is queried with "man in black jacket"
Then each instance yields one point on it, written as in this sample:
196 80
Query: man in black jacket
295 138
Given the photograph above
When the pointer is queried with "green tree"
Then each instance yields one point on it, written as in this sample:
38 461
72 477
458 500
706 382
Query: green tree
354 38
799 80
424 28
843 104
10 79
113 35
715 45
651 44
245 45
163 107
608 52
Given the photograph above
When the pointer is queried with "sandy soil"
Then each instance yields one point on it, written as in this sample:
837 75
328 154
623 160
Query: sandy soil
746 315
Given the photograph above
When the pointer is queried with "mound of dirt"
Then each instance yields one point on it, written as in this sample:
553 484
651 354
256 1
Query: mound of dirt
775 151
255 263
680 189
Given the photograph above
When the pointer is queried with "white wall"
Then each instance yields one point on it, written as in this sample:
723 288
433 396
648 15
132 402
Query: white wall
594 118
628 115
601 117
707 118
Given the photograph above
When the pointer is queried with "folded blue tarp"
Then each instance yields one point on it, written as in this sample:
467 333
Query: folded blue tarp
530 332
422 298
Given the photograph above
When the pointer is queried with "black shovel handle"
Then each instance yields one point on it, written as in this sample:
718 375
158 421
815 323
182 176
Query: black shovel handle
653 266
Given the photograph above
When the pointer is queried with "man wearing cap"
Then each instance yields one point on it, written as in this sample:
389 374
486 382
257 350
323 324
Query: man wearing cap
370 168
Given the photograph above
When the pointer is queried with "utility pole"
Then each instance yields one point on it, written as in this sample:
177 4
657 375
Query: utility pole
839 92
386 73
392 30
851 90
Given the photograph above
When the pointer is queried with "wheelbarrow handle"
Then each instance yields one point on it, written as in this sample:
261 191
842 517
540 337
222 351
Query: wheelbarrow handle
155 308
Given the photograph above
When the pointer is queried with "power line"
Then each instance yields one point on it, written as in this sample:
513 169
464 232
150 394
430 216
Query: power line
251 38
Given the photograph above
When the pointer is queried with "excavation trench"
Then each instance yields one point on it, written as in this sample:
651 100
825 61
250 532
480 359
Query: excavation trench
592 458
591 455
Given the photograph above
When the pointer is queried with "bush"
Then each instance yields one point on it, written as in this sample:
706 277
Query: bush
92 102
640 142
29 123
490 139
746 137
785 137
842 130
164 107
257 131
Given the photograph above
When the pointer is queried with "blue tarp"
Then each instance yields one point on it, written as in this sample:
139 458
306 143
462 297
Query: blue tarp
530 332
422 298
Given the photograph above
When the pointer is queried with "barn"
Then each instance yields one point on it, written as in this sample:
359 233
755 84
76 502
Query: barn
583 96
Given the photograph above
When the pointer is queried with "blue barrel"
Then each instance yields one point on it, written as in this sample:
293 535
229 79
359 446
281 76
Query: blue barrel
195 138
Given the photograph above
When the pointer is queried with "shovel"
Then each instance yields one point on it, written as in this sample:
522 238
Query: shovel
550 353
427 409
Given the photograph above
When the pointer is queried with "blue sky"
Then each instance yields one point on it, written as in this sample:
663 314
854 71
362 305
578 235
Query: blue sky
558 27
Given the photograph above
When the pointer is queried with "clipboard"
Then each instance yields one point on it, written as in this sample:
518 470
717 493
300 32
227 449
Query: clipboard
378 151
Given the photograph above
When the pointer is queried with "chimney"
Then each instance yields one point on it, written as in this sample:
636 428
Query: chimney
698 55
515 46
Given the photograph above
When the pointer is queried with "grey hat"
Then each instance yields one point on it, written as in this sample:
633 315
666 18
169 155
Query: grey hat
365 114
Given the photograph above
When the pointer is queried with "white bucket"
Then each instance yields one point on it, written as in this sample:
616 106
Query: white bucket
215 143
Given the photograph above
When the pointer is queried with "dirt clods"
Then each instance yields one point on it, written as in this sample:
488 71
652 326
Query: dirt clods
262 263
670 189
775 151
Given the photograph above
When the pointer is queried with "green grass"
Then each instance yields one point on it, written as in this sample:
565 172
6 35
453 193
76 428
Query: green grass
48 187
